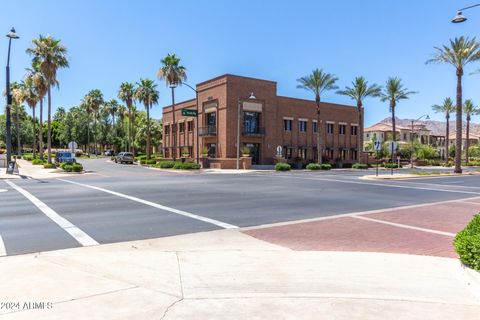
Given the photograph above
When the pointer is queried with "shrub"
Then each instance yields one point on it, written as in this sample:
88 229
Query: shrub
77 167
112 158
325 166
282 167
434 162
165 164
467 243
390 165
68 167
245 150
204 151
313 166
140 158
151 161
360 166
186 165
425 152
49 166
28 157
38 162
63 164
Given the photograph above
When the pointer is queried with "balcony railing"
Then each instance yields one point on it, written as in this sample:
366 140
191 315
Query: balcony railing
258 131
207 131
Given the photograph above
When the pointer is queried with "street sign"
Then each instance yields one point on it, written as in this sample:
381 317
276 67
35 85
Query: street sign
377 144
392 146
189 113
72 145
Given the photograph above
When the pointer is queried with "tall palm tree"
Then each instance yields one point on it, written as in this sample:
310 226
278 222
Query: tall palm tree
174 74
446 108
32 98
394 92
358 92
317 82
18 93
112 107
86 107
469 109
51 55
93 100
41 88
147 93
460 52
126 93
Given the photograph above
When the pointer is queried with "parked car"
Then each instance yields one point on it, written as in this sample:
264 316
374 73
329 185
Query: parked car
109 153
124 157
65 156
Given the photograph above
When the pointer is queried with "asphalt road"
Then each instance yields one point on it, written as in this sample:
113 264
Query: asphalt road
117 202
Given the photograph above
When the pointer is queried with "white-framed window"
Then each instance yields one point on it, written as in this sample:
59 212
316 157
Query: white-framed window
287 124
353 130
342 128
302 126
330 128
315 126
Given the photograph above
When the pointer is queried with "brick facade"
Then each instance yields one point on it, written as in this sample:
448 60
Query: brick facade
266 122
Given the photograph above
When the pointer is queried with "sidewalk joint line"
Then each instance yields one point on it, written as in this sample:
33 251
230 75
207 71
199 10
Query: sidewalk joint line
3 251
405 226
80 236
156 205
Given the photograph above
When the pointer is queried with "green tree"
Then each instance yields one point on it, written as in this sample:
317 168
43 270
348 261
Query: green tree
446 108
317 82
174 74
93 100
394 92
460 52
50 55
126 93
18 93
469 109
112 108
32 98
359 91
147 93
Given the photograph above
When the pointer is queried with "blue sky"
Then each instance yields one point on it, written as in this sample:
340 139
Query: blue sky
111 41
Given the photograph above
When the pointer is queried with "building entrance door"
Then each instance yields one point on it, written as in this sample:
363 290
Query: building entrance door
254 152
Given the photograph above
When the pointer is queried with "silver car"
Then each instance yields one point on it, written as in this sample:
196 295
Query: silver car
124 157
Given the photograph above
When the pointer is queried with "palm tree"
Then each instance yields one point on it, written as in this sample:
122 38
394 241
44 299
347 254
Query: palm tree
393 93
174 74
469 109
50 54
358 92
459 53
112 107
317 82
85 106
446 108
41 89
93 100
147 93
18 93
32 98
126 93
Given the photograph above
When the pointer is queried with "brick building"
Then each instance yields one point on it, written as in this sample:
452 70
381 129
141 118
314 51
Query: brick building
266 122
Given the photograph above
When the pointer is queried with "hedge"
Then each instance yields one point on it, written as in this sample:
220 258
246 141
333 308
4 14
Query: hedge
77 167
325 166
360 166
28 157
38 162
165 164
390 165
313 166
68 167
186 165
282 167
49 166
467 244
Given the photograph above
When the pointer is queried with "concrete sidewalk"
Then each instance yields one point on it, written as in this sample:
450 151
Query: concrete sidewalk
27 169
227 274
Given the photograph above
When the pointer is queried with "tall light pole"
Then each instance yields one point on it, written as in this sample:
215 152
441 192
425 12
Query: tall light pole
240 101
11 35
459 17
196 128
173 85
411 138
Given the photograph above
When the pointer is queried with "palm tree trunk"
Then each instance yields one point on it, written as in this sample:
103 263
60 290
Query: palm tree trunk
447 139
458 135
49 126
129 128
467 143
148 130
360 132
174 126
34 135
17 127
394 128
319 150
88 132
40 138
95 132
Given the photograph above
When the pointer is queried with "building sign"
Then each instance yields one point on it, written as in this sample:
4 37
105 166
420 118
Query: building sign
252 106
189 113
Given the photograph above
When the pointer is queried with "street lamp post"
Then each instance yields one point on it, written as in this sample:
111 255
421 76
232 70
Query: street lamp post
238 126
196 128
411 138
11 35
459 17
173 85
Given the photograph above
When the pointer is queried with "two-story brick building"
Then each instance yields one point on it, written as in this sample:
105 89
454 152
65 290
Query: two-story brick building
267 121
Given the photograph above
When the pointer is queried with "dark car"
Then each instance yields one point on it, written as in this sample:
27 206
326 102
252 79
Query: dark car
109 153
65 156
124 157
